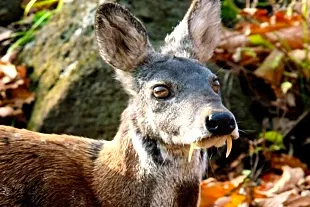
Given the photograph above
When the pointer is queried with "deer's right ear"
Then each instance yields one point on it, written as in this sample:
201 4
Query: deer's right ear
122 39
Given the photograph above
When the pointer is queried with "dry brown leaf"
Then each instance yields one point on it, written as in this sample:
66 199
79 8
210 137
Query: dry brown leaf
307 179
257 14
301 55
265 23
302 200
272 68
276 200
280 160
230 40
14 91
293 37
22 70
6 111
8 69
5 33
290 99
288 180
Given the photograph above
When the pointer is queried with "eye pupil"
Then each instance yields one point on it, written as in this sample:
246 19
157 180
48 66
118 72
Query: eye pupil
161 92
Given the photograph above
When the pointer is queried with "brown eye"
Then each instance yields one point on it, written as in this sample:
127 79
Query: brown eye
161 92
216 85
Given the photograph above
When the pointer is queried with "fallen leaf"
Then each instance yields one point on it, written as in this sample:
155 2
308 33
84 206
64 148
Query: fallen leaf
22 70
6 111
276 200
236 200
290 99
222 201
211 189
8 69
299 200
272 68
289 178
5 33
285 86
279 160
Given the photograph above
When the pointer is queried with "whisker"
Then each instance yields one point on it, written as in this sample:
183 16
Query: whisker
246 131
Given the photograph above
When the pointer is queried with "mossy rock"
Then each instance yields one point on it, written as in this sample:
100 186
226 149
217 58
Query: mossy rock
75 90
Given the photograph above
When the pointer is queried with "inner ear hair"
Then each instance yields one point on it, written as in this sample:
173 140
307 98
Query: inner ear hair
198 33
204 27
123 41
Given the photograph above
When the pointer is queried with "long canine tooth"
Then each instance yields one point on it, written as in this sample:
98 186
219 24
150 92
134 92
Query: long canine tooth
191 151
228 145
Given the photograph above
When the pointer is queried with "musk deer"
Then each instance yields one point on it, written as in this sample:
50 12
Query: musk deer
174 111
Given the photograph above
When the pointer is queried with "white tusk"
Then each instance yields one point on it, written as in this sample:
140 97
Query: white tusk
229 146
191 151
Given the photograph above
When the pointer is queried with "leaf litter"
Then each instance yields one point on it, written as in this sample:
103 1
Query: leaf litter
274 48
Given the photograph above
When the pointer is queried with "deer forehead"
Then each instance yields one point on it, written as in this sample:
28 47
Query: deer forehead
178 71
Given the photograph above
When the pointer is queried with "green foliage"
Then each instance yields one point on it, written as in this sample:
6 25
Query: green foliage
257 39
246 172
40 18
229 12
27 36
285 86
275 138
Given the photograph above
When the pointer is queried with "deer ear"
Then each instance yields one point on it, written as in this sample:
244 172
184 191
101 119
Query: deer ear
122 39
198 33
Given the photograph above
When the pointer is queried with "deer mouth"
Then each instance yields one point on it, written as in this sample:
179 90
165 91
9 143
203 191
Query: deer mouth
217 141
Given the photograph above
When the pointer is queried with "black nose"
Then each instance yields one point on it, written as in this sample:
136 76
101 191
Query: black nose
220 123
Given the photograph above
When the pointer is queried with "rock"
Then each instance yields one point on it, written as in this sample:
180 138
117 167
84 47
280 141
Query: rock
75 90
10 11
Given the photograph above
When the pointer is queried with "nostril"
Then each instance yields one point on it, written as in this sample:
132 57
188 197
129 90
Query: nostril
212 125
232 124
221 123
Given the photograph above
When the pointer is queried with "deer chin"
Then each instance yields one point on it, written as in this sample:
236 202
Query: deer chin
208 142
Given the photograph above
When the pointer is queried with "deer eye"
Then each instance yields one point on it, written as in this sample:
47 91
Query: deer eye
216 85
161 92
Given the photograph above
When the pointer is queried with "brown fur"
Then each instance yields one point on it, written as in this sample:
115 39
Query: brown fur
44 170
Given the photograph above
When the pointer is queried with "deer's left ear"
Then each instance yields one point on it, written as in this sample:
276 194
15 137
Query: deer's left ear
123 42
204 27
198 33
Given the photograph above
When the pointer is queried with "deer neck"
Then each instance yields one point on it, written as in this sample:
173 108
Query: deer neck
159 174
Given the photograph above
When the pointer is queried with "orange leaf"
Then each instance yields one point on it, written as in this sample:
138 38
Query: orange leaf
236 200
212 189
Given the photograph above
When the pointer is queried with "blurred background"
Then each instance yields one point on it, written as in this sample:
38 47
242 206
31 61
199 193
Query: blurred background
52 79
